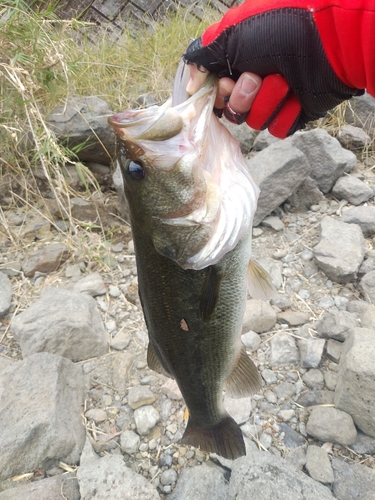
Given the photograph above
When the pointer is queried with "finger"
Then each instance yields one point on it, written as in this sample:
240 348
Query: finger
197 79
244 92
224 89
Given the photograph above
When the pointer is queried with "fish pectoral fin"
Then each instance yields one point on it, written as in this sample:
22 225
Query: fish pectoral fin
224 438
154 362
210 292
259 282
244 379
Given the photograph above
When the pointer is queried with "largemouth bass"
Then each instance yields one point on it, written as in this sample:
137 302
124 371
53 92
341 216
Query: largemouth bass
191 202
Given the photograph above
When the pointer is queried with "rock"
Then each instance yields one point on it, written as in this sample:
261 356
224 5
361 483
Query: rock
332 425
171 389
365 311
364 444
251 340
367 285
5 294
361 112
363 216
353 481
96 414
293 318
278 170
63 486
340 251
305 195
352 189
121 341
314 379
92 284
367 266
318 464
297 457
168 477
337 325
310 351
238 409
41 416
243 133
263 140
284 350
281 301
326 156
285 390
353 138
6 362
46 260
146 417
269 376
274 223
274 269
330 379
202 482
130 442
263 475
316 397
84 120
356 381
61 322
109 478
259 316
291 438
333 350
140 396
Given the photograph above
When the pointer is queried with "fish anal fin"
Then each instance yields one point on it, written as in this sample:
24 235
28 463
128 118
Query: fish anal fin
244 379
154 362
259 282
224 438
210 293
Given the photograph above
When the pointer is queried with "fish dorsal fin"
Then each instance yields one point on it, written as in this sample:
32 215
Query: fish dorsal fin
259 282
244 379
154 362
210 292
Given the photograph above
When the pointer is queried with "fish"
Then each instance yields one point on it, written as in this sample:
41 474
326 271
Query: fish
191 201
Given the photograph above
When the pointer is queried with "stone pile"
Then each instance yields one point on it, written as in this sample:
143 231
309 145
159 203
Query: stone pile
82 416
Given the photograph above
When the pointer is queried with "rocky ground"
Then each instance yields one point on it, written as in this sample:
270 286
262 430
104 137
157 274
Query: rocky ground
82 416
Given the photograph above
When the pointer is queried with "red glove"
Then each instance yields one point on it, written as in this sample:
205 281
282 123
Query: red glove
312 54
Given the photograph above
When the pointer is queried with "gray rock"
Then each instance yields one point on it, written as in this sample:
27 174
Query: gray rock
274 269
92 284
367 266
6 362
297 457
318 464
146 417
364 444
353 481
353 138
97 415
243 133
306 195
285 390
333 350
281 301
85 120
168 477
314 379
263 475
365 311
274 223
140 396
340 251
239 409
310 351
361 112
46 260
259 316
363 216
41 416
5 294
326 156
356 385
293 318
63 486
284 350
108 477
337 325
316 397
352 189
263 140
251 340
269 376
277 170
331 379
367 285
202 482
292 439
61 322
332 425
130 442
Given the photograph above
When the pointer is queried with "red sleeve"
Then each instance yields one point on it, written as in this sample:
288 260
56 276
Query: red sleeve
346 28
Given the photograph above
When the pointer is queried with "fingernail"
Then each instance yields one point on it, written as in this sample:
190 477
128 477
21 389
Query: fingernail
248 84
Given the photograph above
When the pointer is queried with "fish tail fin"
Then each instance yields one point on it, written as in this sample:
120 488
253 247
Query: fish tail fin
224 438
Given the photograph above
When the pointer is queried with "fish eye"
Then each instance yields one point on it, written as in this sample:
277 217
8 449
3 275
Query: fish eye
135 170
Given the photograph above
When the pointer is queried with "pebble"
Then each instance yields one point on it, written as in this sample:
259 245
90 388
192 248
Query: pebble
168 477
284 350
269 376
292 439
332 425
251 340
293 318
259 316
326 302
285 390
97 415
274 223
129 442
318 464
297 457
146 417
330 379
353 481
140 396
286 415
311 351
333 350
114 291
314 379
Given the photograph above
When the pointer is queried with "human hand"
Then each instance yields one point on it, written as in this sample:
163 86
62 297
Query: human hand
284 47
